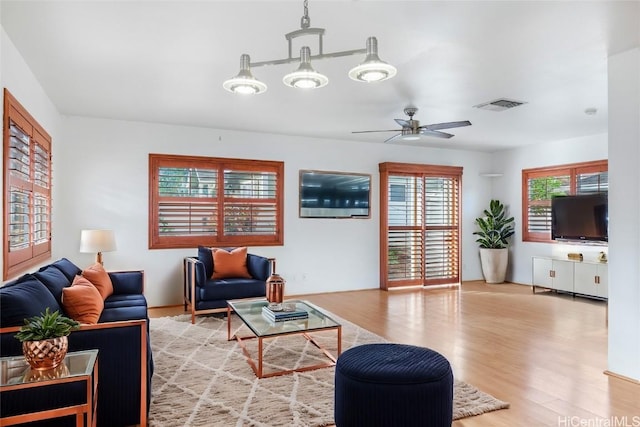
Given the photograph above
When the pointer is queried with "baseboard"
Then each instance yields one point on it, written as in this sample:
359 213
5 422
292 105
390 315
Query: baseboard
622 377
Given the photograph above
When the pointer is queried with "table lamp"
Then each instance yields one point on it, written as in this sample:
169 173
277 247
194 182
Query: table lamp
97 241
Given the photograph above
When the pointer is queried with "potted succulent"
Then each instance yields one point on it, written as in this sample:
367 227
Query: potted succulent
495 229
44 339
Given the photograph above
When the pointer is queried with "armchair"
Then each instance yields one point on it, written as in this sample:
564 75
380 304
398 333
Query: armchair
204 293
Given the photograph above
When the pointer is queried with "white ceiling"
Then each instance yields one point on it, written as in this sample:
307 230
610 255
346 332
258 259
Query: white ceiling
165 61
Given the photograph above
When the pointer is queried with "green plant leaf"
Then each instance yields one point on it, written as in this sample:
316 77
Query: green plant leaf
495 227
47 325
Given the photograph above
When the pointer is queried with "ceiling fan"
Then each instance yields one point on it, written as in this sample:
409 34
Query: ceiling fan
411 129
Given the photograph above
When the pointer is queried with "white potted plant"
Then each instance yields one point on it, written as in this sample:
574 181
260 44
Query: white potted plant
495 229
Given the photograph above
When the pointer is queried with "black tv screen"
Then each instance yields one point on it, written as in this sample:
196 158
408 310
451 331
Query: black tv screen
583 217
334 194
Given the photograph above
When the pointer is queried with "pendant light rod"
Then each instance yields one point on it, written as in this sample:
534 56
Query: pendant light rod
312 57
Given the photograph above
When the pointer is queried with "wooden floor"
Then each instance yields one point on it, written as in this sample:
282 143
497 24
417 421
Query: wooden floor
545 353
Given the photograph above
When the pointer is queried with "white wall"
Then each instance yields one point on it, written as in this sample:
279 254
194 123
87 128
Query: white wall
624 213
508 188
102 180
16 76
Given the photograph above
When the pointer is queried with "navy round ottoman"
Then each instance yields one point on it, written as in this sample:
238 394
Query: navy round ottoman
393 385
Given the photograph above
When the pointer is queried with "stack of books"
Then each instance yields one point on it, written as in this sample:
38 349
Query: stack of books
281 316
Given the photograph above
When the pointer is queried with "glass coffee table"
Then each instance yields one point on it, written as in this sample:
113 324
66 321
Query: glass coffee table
250 312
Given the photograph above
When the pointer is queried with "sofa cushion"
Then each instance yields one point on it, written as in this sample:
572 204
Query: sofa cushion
115 314
230 264
226 289
125 300
97 275
26 297
69 269
54 280
206 257
82 301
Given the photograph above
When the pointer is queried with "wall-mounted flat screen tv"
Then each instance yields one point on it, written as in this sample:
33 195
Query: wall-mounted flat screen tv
583 217
334 194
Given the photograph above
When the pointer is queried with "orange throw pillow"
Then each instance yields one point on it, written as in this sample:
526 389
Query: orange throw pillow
82 301
230 264
97 275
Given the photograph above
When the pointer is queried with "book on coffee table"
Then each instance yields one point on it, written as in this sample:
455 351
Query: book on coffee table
280 316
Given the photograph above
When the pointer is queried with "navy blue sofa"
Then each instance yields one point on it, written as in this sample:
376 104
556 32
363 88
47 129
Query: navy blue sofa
203 295
121 336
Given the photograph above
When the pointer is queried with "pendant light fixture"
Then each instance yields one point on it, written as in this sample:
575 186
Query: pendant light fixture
305 77
372 69
244 82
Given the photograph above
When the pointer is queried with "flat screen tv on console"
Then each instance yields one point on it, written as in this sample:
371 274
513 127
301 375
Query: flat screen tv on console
334 194
584 218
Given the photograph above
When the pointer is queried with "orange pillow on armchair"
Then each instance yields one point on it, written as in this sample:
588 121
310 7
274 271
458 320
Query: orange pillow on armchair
230 264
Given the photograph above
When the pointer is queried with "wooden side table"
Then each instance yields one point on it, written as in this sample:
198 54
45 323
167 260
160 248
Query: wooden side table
70 389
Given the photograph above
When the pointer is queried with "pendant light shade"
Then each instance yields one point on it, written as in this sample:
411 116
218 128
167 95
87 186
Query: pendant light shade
305 77
244 82
372 69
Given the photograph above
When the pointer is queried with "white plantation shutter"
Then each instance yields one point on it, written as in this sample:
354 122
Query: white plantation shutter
187 201
441 229
404 233
593 182
214 202
420 222
250 203
541 190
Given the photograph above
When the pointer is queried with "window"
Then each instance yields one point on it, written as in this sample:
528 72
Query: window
420 227
541 184
27 189
214 202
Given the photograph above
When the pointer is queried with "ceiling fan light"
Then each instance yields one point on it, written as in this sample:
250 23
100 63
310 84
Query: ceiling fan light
244 83
373 69
411 137
305 77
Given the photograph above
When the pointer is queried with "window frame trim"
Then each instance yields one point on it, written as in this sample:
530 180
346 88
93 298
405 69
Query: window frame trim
19 261
571 169
156 161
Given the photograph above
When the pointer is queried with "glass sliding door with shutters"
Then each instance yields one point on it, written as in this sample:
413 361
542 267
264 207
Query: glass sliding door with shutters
420 225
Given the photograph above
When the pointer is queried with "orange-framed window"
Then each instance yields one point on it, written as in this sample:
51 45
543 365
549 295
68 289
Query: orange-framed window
540 185
27 189
214 201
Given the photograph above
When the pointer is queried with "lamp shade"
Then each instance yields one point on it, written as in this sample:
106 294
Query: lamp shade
94 241
244 83
305 77
373 69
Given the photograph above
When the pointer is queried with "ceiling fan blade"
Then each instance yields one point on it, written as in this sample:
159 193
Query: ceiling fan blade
448 125
403 123
437 134
393 137
370 131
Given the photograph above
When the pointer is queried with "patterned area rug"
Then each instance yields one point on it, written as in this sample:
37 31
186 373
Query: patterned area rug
201 379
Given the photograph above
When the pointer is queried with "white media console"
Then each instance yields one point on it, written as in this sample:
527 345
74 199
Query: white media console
584 278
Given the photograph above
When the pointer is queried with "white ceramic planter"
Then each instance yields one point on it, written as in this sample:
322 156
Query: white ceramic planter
494 264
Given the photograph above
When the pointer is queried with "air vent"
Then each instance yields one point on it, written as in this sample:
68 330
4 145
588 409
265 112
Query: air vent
500 104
